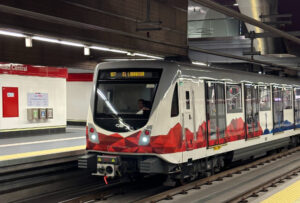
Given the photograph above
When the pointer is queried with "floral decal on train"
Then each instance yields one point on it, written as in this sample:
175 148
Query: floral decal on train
161 144
285 125
173 141
235 130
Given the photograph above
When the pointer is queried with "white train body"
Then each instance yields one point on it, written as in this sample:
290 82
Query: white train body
195 116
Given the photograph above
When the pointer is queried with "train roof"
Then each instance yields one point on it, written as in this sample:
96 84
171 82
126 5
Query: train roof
203 72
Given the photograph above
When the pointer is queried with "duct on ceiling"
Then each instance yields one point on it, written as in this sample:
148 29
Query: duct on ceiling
254 9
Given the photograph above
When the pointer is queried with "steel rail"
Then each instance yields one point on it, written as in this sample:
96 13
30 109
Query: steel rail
230 12
106 192
114 188
253 192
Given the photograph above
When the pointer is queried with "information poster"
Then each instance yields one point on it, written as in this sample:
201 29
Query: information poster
37 99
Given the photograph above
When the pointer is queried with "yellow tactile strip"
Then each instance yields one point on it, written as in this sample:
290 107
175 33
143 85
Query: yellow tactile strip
40 153
291 194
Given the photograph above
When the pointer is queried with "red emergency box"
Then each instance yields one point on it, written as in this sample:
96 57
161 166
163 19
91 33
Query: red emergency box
10 102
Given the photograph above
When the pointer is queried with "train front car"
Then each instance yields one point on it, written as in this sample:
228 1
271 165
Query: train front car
129 119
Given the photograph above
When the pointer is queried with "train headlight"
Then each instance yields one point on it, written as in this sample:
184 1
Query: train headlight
144 140
92 134
94 138
145 136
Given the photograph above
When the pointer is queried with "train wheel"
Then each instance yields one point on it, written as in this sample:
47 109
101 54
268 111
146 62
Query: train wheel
194 173
181 181
135 177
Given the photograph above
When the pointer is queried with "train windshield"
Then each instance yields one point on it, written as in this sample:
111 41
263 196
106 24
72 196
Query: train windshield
124 99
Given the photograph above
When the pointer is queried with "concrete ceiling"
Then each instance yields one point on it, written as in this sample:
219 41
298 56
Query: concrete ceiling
131 25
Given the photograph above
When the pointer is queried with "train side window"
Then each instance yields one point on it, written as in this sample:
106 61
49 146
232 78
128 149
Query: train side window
264 98
234 98
175 106
287 98
187 99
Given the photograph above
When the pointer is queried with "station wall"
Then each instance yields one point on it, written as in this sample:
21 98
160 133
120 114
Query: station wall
79 87
30 81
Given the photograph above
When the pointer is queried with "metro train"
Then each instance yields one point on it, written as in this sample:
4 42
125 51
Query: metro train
185 121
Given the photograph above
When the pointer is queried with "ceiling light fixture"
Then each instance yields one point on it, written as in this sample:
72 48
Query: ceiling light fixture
130 54
86 51
28 42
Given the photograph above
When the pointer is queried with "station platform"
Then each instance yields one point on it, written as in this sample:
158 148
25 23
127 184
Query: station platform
37 145
288 192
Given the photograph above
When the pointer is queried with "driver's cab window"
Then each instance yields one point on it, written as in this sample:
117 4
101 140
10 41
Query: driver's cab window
175 106
187 100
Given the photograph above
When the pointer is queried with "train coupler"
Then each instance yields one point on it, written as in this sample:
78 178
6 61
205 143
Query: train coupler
108 166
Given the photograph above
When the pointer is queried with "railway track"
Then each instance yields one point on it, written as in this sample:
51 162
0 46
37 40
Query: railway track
25 178
15 165
262 188
125 191
65 183
105 193
228 176
55 178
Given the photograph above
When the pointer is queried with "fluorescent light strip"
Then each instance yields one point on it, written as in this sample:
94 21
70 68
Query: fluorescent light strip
199 63
13 34
109 49
129 59
71 44
68 43
99 48
146 55
45 39
51 40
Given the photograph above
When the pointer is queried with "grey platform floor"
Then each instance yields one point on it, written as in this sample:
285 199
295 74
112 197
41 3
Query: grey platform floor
74 136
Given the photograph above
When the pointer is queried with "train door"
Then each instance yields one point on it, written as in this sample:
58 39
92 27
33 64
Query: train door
277 109
251 110
188 114
288 112
265 110
297 107
215 112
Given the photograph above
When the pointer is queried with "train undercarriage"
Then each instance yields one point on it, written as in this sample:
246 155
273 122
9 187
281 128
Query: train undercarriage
111 166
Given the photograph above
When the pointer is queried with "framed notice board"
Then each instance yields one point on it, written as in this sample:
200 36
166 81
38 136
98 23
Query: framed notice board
10 102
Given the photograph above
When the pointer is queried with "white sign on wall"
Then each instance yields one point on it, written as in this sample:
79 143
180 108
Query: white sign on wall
37 99
10 94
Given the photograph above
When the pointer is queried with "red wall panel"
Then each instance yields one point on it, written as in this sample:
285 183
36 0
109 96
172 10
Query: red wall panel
80 77
10 102
21 69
